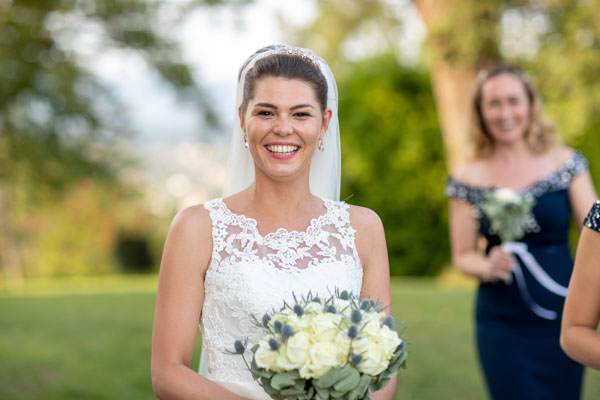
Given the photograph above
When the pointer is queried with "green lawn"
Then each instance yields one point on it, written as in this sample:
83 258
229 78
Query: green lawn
90 339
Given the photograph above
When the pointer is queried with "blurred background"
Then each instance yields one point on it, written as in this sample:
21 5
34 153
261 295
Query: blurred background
115 114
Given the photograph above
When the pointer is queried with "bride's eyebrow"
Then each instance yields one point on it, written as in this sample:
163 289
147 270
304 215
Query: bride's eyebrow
269 105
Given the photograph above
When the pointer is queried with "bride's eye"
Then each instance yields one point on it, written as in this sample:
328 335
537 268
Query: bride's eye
264 113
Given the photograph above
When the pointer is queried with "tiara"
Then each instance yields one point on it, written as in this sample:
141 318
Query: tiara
299 52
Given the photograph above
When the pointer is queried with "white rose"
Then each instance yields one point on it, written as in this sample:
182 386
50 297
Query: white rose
297 349
298 323
324 326
390 340
371 327
264 356
342 343
321 357
506 195
373 362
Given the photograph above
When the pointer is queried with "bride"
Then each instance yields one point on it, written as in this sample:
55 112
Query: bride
278 231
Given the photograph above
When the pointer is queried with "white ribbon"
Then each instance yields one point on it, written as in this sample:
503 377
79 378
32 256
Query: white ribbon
520 250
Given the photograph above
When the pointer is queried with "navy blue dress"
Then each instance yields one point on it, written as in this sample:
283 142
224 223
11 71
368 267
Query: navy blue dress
518 346
592 220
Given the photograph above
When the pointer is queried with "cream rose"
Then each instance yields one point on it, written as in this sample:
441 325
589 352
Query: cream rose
321 357
297 349
325 327
264 356
371 350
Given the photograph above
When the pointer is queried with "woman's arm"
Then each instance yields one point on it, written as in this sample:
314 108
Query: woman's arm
581 196
372 250
179 300
579 337
463 241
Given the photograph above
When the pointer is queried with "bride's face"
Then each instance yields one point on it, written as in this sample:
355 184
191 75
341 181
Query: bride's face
283 123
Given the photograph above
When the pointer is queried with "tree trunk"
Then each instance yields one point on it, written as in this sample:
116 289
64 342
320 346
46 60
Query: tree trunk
452 88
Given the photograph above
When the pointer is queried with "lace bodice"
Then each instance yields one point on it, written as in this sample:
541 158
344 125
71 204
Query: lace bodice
250 274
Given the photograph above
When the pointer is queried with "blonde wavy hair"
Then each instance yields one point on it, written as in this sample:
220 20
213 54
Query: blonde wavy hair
540 135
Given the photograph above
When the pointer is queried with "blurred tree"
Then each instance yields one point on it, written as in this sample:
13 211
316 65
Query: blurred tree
557 41
57 122
393 160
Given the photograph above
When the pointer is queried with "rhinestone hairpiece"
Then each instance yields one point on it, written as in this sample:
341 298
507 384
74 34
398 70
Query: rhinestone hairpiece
296 51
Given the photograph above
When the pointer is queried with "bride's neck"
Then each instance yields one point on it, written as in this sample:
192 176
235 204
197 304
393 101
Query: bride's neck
281 201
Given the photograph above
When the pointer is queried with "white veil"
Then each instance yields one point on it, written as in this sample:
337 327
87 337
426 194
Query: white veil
325 168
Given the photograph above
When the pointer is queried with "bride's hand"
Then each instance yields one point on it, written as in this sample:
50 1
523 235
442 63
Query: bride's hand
499 266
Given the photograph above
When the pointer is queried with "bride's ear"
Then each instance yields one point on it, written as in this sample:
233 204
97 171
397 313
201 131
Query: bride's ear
326 119
241 117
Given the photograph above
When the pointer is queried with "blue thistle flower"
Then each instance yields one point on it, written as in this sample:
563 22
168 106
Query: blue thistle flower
277 325
287 332
274 344
366 305
389 321
353 332
356 359
265 319
356 316
344 295
330 309
298 310
239 347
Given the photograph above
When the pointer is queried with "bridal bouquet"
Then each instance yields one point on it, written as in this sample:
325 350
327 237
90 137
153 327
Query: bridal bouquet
334 348
509 214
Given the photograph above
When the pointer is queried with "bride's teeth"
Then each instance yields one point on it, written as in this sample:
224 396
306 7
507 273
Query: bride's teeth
282 149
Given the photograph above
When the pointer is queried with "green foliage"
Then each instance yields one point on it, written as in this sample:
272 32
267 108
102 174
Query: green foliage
393 160
133 252
90 338
60 127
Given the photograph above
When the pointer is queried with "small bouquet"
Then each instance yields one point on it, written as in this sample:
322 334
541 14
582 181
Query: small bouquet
334 348
509 214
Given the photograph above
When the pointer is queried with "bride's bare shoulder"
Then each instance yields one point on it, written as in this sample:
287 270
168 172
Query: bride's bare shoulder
191 221
364 219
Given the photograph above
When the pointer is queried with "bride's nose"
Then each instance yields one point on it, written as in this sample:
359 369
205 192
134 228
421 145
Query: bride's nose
283 126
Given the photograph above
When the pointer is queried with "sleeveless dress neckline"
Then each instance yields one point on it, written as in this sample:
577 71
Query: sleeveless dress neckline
251 222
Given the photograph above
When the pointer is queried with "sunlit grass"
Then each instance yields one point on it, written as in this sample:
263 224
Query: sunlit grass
89 338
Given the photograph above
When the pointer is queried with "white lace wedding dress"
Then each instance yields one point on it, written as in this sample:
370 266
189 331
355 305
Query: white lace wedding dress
250 274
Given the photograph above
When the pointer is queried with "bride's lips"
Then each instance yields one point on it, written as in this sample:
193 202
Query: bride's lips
282 151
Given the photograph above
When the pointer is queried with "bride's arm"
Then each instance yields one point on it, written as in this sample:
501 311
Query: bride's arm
179 302
372 250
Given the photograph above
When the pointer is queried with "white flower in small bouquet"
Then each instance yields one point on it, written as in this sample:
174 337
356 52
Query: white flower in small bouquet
334 348
509 214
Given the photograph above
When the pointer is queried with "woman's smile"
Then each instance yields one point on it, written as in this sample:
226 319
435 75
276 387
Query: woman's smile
282 150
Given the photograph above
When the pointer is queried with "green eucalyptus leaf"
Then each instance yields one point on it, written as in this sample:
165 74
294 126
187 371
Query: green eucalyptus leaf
291 392
348 381
328 379
282 380
254 348
322 393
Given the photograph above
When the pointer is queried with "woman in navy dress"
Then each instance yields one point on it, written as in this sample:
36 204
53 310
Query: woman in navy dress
518 306
579 337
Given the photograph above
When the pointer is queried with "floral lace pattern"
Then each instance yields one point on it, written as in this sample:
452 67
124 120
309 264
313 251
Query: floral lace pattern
251 274
558 180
